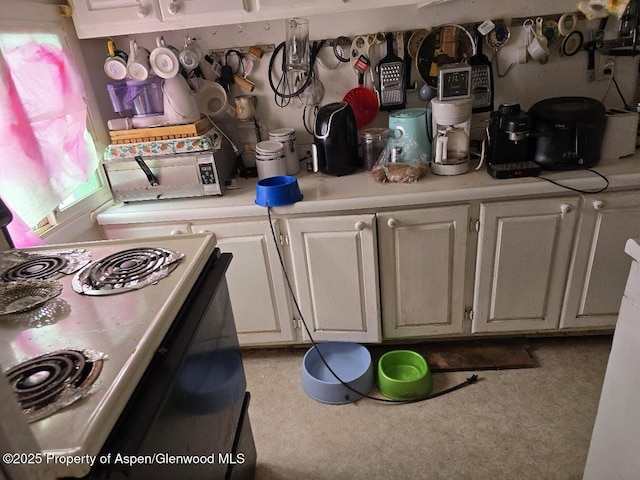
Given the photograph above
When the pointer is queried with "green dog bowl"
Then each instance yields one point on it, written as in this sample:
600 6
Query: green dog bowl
404 375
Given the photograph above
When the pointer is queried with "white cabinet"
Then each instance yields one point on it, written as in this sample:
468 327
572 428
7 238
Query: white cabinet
334 260
100 18
259 297
141 230
524 249
103 18
422 271
599 267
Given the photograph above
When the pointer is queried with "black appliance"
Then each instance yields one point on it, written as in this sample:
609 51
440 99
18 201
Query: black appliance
507 152
191 401
5 219
567 132
335 140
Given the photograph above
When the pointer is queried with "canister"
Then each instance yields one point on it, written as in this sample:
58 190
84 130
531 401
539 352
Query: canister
373 142
270 159
287 136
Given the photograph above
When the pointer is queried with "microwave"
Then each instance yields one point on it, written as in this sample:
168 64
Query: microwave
180 175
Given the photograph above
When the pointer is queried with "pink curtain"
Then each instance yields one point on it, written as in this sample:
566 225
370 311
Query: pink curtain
45 150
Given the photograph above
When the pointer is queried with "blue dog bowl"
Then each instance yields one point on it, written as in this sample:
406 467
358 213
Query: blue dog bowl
350 361
278 191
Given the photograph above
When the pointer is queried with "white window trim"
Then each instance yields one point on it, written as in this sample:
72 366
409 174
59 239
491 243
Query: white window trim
25 14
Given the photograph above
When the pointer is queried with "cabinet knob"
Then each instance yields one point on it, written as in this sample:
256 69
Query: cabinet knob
392 222
176 232
360 225
143 12
566 208
173 7
598 204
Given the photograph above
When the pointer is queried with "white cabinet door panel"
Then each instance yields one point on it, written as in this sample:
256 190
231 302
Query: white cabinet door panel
422 271
600 267
335 266
103 18
259 296
524 250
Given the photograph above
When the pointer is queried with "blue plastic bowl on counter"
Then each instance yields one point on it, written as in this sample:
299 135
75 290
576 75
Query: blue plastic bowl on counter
278 191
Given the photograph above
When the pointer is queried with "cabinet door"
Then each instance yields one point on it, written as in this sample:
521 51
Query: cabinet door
103 18
524 249
422 271
336 276
259 297
203 13
141 230
600 267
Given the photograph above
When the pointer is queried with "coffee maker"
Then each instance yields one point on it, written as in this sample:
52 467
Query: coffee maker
451 120
507 137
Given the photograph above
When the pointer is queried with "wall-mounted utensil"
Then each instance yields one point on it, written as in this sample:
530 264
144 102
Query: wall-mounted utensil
390 72
363 102
481 79
446 44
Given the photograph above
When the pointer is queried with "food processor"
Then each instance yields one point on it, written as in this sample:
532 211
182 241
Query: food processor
154 101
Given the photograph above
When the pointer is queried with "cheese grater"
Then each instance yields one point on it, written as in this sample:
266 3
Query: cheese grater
481 79
391 74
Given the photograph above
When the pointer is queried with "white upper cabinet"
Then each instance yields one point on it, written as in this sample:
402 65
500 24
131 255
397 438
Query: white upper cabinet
104 18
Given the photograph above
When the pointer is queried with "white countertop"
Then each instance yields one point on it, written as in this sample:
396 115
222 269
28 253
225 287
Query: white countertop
359 192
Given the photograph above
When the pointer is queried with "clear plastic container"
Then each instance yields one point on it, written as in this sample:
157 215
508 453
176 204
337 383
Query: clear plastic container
373 142
130 97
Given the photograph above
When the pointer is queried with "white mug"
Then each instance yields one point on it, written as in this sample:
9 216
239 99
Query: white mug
138 66
212 99
164 59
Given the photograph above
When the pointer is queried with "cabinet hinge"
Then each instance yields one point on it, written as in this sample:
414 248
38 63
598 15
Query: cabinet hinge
468 313
474 225
65 10
297 323
284 240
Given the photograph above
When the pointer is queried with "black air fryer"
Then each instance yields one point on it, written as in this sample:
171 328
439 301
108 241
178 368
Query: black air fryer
335 140
566 132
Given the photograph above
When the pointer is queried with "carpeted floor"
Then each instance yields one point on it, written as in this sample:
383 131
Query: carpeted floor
530 423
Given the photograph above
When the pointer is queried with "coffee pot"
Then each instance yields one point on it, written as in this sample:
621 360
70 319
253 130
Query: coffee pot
451 121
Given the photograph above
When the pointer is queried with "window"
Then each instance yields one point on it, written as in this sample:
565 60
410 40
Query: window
52 142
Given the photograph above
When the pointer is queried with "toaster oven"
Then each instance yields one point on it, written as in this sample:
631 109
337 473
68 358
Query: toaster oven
155 177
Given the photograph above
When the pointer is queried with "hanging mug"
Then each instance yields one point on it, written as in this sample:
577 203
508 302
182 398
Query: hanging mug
246 107
138 66
115 66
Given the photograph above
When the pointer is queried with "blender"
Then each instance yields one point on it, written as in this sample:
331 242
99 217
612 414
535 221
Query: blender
451 120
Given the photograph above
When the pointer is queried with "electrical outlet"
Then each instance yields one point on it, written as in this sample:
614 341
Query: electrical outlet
606 67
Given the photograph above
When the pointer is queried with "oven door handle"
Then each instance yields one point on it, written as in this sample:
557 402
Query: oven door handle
153 180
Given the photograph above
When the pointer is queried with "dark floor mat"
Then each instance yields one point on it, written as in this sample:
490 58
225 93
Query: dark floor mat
467 355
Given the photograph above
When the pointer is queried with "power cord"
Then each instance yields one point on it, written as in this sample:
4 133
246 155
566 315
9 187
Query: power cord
468 381
577 189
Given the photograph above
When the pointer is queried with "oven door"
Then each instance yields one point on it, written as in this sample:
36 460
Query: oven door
184 417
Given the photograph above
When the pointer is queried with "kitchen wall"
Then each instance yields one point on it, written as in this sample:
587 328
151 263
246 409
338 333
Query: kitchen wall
525 83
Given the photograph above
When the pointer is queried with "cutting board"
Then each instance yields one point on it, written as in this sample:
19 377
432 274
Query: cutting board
137 135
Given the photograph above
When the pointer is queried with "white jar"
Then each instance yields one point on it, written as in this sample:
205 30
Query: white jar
270 159
288 137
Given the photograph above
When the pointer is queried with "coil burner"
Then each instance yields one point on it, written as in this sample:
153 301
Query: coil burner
50 382
20 265
125 271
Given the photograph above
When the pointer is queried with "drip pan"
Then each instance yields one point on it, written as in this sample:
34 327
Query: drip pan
21 296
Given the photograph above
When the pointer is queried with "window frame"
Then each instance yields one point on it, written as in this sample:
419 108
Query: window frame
18 16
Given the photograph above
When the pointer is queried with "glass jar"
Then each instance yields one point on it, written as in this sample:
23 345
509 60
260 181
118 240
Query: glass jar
373 142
